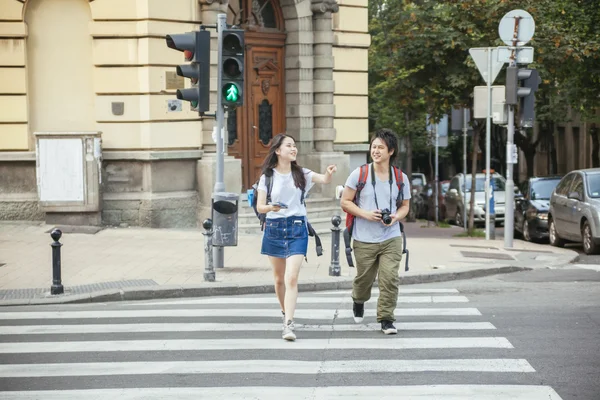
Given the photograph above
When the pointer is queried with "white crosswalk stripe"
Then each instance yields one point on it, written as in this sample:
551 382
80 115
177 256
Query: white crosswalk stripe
211 348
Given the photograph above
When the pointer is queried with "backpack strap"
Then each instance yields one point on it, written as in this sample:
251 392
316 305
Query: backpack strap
362 180
400 184
269 185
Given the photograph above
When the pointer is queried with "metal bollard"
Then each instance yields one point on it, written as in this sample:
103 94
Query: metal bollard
334 268
209 269
57 287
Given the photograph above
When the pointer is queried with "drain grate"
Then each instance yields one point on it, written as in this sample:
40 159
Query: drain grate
30 293
493 256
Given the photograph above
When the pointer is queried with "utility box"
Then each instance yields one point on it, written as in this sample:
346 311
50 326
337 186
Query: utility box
68 170
225 219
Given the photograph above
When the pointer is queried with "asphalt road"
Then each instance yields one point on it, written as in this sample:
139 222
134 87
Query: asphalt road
523 336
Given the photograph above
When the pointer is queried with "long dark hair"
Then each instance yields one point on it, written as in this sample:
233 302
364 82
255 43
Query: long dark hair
271 162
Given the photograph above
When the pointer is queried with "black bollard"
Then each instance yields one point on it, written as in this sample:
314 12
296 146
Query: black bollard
57 287
209 269
334 268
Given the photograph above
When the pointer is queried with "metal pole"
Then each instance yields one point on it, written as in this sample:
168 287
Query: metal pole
465 129
334 268
509 204
510 185
218 252
209 270
488 135
221 26
57 287
437 143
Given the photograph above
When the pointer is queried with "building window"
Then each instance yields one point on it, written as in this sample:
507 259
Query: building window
265 122
255 14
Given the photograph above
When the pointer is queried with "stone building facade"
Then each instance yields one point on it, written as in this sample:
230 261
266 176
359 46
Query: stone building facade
102 67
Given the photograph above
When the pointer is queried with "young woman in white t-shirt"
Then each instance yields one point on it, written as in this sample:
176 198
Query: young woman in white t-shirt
285 238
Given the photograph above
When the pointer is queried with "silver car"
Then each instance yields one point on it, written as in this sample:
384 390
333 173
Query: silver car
455 199
574 210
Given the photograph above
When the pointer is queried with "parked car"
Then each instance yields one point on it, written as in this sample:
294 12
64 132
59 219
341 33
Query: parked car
456 199
418 179
444 185
574 210
531 210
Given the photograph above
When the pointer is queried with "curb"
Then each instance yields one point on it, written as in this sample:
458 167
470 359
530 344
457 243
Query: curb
217 289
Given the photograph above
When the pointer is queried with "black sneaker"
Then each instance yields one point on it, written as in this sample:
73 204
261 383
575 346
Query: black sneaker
388 328
359 312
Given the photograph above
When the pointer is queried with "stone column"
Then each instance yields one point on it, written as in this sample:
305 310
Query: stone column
323 108
299 73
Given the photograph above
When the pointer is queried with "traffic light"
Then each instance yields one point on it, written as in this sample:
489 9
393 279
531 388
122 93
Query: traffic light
523 95
196 48
232 78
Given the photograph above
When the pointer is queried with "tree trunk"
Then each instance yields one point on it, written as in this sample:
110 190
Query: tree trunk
473 182
529 159
595 146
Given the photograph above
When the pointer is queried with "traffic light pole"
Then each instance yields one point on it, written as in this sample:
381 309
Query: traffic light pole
219 184
509 212
509 204
219 252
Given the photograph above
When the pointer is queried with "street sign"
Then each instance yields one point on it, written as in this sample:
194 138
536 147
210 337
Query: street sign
481 58
441 128
506 29
524 54
480 94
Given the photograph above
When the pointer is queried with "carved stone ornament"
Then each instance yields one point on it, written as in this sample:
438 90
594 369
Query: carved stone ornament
265 85
323 6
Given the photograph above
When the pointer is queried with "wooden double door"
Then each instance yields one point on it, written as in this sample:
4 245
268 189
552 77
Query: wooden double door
251 127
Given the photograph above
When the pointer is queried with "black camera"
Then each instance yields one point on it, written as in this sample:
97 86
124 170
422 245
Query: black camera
385 216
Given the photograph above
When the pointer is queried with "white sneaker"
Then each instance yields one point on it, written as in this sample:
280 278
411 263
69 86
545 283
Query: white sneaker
288 331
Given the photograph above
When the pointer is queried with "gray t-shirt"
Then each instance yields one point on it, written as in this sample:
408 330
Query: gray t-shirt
371 231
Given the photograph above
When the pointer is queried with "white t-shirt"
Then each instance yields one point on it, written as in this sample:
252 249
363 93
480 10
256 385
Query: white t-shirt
371 231
283 190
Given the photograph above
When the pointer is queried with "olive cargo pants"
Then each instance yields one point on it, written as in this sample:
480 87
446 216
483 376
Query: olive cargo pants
382 260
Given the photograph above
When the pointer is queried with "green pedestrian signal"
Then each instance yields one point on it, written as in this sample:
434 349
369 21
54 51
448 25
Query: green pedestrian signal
232 67
231 92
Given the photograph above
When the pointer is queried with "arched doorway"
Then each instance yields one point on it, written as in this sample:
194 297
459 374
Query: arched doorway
251 127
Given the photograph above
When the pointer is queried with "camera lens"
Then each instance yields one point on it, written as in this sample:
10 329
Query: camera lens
387 219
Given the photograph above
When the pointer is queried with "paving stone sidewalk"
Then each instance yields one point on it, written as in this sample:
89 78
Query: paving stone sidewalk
121 263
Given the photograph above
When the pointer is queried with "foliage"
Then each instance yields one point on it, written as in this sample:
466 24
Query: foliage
419 61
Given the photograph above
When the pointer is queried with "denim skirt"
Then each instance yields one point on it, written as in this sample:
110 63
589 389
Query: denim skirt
285 237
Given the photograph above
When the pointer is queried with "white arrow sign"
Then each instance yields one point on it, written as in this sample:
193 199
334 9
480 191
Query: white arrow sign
481 57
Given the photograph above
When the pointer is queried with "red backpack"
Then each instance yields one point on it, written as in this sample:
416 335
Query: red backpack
362 180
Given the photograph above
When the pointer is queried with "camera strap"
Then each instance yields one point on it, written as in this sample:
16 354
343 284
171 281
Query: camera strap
373 181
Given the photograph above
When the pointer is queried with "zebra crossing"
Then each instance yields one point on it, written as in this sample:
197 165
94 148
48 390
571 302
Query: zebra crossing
231 348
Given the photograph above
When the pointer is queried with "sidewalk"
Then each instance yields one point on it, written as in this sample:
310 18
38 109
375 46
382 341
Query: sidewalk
140 263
